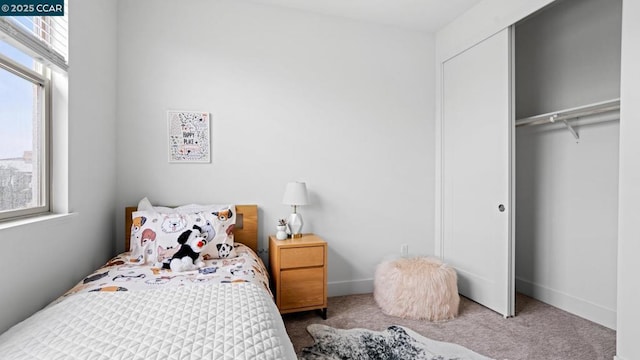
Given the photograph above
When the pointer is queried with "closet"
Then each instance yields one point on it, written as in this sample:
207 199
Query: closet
567 90
528 158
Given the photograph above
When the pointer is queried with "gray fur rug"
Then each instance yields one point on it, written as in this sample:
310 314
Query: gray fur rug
394 343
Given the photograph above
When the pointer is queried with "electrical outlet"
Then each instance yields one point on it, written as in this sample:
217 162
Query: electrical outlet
404 249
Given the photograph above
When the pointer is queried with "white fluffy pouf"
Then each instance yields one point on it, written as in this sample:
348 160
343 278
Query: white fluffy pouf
417 288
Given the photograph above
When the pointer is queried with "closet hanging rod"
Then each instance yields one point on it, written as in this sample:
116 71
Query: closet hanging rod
573 113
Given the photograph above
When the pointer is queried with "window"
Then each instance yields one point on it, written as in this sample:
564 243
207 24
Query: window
23 139
30 48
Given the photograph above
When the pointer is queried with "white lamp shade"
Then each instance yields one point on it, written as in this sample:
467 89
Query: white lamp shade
295 194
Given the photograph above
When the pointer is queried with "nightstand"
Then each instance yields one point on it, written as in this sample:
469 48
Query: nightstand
299 273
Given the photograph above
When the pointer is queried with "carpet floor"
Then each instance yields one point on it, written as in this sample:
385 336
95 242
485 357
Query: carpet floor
538 331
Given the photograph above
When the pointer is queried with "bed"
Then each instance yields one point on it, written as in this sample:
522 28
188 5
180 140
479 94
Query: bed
129 309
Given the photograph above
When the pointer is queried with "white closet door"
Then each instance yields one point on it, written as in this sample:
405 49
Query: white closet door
477 145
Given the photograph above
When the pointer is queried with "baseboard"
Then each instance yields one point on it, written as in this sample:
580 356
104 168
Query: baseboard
617 358
340 288
581 307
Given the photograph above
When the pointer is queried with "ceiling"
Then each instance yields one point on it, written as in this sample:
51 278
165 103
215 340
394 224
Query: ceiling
423 15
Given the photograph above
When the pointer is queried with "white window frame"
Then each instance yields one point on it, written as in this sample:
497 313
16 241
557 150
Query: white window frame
37 42
44 169
45 39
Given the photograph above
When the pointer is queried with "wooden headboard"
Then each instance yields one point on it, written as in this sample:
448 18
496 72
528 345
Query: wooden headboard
246 230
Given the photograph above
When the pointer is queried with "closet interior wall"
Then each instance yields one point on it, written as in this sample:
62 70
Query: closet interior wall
568 55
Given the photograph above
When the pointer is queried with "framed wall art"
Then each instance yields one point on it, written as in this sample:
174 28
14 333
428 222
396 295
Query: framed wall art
189 136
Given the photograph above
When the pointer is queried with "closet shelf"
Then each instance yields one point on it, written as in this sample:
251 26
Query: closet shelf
570 114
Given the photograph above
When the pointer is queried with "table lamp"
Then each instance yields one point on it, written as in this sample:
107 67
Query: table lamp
295 195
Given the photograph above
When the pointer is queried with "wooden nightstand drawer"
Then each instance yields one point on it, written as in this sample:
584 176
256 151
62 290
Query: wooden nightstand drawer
299 273
302 288
301 257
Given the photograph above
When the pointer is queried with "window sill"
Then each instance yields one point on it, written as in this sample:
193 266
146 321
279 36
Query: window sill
34 219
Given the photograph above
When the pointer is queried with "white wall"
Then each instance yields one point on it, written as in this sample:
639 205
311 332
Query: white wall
628 333
68 248
566 218
480 22
346 106
568 55
562 51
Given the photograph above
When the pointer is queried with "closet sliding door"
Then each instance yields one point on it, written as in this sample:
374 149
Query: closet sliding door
477 206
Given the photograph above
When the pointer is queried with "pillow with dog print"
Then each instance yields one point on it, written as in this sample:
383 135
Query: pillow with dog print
145 204
154 234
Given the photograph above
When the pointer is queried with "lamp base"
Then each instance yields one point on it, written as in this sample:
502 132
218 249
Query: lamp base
295 225
296 236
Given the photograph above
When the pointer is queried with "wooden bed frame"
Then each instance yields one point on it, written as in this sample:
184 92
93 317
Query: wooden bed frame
246 230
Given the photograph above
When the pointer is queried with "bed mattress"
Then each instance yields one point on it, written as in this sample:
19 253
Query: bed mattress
204 315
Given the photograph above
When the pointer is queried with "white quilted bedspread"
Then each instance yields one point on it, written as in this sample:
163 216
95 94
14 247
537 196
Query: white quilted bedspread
232 321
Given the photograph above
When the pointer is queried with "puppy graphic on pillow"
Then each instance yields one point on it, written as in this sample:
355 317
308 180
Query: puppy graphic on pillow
224 250
173 223
223 215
